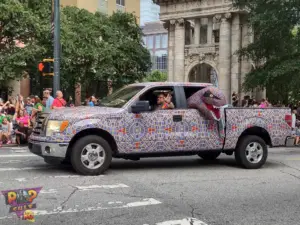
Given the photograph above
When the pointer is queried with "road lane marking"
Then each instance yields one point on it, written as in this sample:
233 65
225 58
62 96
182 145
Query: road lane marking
91 187
24 168
65 176
185 221
19 155
49 191
144 202
22 179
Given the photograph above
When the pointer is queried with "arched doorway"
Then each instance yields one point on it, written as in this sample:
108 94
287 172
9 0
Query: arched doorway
203 73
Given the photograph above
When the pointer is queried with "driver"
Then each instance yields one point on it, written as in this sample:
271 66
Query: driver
164 101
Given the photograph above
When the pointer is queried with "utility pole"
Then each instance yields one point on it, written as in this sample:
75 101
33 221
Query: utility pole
56 77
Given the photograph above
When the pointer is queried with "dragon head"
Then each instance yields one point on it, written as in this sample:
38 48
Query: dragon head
208 101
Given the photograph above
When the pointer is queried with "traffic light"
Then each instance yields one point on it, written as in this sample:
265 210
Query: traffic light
46 67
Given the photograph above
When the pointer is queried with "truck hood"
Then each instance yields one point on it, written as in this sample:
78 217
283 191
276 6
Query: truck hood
82 112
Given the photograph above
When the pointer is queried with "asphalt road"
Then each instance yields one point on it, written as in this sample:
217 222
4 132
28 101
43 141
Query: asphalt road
162 191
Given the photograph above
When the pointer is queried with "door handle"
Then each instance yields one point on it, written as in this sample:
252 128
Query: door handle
177 118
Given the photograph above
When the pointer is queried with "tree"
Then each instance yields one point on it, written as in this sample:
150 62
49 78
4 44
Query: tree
276 47
156 76
97 47
94 46
20 27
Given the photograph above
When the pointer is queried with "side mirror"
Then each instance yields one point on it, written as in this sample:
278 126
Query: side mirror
140 106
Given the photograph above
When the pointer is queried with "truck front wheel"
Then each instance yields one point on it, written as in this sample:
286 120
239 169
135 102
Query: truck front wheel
251 152
91 155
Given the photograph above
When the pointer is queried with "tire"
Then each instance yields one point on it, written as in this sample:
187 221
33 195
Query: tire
209 155
251 160
81 158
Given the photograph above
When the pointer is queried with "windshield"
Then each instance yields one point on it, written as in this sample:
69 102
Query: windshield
119 98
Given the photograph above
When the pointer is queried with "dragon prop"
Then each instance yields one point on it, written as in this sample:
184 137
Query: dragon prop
208 101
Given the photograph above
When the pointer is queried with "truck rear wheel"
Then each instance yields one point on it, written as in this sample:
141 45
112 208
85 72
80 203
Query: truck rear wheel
91 155
251 152
209 155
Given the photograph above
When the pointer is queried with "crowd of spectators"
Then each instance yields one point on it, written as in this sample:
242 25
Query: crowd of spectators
18 115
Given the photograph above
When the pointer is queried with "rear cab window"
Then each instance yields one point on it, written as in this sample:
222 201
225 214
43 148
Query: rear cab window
189 91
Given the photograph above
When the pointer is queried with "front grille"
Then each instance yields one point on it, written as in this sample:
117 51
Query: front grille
40 123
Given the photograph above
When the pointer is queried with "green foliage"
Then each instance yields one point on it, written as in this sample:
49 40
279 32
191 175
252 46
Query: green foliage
94 46
18 24
156 76
276 47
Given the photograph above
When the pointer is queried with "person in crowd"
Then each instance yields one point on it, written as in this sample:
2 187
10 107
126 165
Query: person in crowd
263 104
20 103
295 126
23 118
59 102
235 99
70 102
5 133
49 99
21 134
28 106
164 101
44 101
254 104
9 107
245 101
38 107
92 101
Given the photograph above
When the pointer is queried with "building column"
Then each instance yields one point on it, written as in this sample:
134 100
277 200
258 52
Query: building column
236 45
197 31
170 26
224 64
15 85
188 37
179 50
209 30
245 63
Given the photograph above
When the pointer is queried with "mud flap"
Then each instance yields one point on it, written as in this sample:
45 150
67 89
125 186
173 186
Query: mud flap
290 142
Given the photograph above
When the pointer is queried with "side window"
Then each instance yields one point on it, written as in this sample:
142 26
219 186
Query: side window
189 91
153 95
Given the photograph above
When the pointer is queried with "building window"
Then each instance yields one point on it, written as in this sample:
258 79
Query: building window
121 5
160 62
120 2
164 43
103 6
157 41
217 36
144 41
150 41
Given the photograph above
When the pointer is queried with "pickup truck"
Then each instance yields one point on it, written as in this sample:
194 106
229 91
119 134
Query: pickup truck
126 126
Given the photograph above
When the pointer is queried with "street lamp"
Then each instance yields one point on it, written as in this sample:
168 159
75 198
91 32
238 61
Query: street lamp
56 22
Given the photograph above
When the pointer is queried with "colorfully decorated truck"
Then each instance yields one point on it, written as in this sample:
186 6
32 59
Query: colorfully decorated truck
128 125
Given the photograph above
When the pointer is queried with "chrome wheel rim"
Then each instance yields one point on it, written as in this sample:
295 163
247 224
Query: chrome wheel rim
254 152
92 156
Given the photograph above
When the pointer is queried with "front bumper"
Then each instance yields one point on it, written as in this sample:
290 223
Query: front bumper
45 149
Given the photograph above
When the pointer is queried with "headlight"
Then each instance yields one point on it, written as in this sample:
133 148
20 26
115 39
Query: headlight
55 126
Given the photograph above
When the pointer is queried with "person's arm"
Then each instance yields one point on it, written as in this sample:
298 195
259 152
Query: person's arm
17 106
171 105
9 129
54 104
293 121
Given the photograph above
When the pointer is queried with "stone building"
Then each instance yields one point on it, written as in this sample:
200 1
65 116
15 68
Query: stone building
204 36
